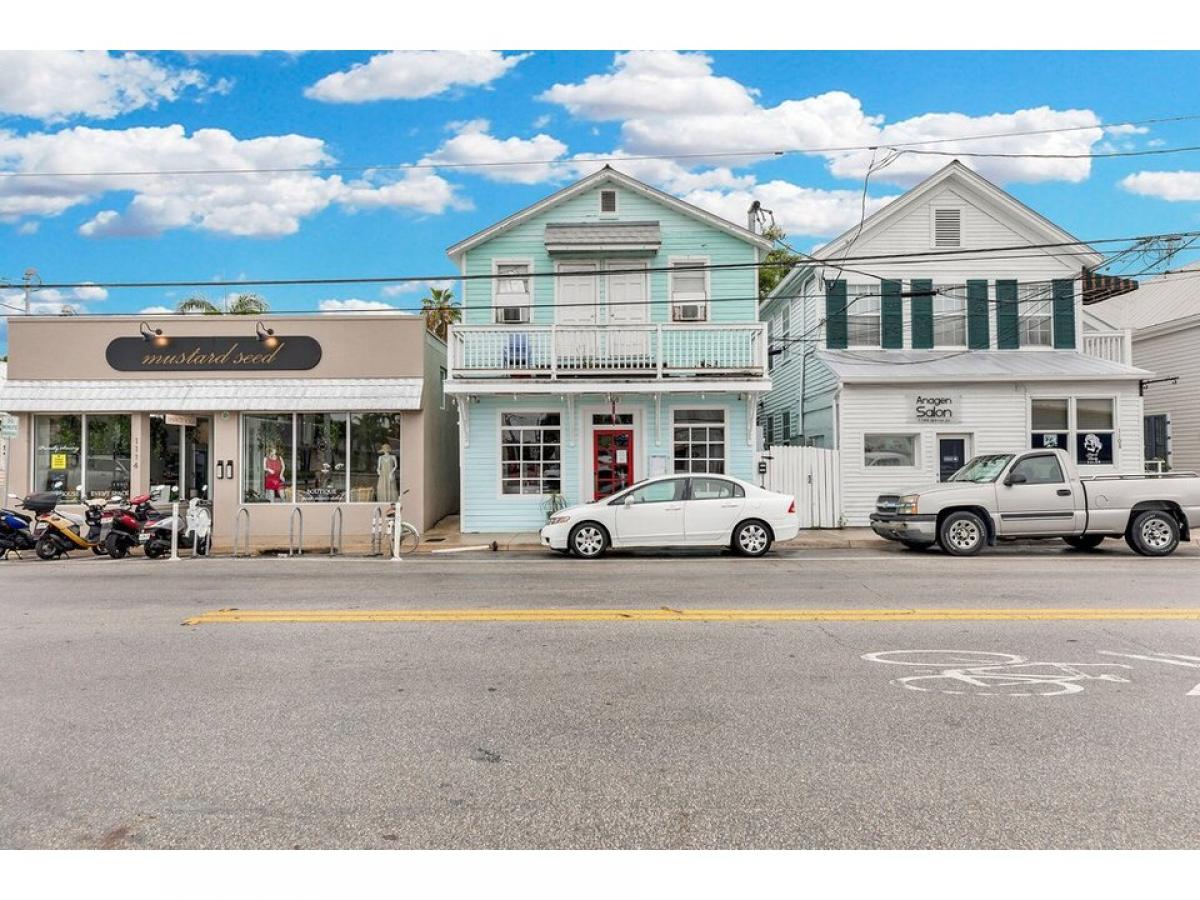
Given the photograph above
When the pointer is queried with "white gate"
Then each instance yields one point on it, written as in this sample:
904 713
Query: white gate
813 476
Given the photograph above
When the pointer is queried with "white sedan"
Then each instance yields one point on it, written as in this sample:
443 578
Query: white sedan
677 511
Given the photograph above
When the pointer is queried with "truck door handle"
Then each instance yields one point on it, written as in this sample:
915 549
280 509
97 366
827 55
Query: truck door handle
1063 492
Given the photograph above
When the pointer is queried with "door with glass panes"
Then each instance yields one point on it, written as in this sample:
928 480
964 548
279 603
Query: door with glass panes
180 457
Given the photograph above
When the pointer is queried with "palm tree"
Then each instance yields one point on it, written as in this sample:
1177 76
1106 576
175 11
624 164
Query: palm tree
440 311
242 305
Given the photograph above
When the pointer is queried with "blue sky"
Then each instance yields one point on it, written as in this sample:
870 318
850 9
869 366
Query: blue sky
96 112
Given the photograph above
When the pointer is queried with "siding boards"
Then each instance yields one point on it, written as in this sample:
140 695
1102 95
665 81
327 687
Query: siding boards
1169 355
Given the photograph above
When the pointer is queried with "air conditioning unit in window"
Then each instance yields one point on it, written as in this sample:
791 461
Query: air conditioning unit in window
689 312
512 315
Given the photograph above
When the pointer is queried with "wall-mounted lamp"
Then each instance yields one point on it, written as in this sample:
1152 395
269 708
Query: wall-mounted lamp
153 335
265 335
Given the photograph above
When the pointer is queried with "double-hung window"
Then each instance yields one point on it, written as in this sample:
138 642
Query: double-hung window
514 293
862 315
949 318
530 453
700 441
1035 309
689 291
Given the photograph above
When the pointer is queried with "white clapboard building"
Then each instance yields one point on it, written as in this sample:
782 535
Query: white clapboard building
912 344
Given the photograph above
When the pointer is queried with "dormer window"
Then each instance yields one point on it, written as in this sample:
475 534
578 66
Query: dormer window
947 227
608 203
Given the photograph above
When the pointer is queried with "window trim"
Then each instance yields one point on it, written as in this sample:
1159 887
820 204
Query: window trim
616 210
499 471
1072 430
918 449
497 262
1022 305
851 300
31 471
725 423
683 262
934 209
934 313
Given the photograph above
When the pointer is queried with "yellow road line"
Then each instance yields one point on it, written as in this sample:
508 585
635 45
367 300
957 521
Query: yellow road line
664 614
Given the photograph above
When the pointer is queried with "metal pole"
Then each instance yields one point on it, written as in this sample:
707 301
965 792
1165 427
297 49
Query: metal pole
396 535
175 531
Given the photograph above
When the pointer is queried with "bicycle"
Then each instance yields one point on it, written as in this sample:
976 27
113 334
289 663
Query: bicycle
410 535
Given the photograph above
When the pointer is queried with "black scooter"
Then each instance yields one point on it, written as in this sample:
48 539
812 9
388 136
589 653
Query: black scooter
15 532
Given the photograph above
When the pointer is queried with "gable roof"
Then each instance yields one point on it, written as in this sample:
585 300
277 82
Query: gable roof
1173 298
601 176
953 173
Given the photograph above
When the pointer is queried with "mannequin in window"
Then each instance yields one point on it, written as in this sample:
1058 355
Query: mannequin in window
385 468
273 475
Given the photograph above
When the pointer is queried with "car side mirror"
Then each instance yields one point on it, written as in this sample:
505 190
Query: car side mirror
628 501
1015 478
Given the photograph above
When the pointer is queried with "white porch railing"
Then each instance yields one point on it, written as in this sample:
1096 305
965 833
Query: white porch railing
1114 346
655 351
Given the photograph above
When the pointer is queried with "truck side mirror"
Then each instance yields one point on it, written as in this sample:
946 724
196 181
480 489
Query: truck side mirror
1015 478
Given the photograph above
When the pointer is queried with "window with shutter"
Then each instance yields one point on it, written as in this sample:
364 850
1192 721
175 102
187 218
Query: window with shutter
947 227
608 201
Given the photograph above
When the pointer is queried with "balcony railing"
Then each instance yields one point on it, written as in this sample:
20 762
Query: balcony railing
652 351
1114 346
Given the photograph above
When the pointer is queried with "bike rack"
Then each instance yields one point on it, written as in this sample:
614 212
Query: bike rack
237 531
292 545
335 522
377 531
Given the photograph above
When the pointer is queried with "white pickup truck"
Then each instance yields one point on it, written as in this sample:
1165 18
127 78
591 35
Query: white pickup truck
1039 494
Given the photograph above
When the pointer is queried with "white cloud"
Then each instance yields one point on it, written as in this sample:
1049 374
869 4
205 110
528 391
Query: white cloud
240 204
1176 187
28 228
354 305
155 310
797 210
412 74
414 287
542 121
52 301
59 84
673 104
665 173
473 145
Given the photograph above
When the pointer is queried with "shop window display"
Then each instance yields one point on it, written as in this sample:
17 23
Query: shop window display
267 458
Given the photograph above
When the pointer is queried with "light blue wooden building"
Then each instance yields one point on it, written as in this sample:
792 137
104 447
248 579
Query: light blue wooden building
610 333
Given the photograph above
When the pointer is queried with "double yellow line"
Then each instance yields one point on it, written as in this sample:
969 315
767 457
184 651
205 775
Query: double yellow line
669 614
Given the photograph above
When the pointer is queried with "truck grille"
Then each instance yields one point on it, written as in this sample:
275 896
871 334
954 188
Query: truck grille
887 503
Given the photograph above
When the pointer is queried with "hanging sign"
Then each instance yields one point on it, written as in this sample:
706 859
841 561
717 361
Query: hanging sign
213 354
172 419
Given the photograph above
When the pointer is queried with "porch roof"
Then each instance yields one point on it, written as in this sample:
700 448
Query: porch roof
602 236
213 394
564 386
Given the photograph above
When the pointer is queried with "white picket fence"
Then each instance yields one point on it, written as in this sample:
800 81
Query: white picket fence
813 476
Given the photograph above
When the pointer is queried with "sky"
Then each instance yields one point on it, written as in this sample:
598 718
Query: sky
74 119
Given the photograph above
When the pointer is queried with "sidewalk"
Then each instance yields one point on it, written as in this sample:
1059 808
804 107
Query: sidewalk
446 536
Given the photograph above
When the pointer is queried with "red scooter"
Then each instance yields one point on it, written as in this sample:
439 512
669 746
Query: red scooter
128 526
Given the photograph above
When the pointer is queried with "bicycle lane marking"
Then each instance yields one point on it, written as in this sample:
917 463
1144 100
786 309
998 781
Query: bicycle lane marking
1003 670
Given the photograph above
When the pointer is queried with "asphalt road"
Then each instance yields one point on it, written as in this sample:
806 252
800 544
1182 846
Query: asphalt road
122 727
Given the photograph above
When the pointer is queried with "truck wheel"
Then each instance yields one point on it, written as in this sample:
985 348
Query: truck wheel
962 534
1084 541
1153 533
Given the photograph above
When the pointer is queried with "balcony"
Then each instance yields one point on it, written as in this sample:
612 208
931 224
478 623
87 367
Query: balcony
649 351
1114 346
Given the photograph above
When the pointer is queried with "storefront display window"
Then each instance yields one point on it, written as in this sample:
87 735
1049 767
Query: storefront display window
889 450
321 457
267 466
106 469
1085 426
530 453
700 441
58 455
1050 421
374 457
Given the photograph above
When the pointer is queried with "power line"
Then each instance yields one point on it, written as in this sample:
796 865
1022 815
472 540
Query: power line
576 161
1000 155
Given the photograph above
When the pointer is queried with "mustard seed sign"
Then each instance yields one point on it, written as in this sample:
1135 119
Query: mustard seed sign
167 353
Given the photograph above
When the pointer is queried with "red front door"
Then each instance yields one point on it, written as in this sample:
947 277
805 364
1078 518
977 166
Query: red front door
612 461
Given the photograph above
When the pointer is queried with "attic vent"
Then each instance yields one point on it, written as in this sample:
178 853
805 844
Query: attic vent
947 227
608 201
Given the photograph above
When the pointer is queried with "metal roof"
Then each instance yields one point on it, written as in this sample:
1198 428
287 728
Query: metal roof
1156 302
889 366
603 235
209 394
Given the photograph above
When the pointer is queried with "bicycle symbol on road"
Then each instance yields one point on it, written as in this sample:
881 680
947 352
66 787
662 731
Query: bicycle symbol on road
994 674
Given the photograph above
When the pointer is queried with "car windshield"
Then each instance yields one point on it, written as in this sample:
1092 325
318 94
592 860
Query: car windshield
983 469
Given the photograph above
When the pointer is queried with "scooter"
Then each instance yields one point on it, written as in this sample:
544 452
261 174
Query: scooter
128 529
15 533
194 530
61 532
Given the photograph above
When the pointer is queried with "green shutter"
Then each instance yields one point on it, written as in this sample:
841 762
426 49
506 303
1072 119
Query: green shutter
835 315
978 337
922 313
891 316
1064 313
1007 315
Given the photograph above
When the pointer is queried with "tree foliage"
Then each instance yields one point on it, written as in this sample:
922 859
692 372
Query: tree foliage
777 263
440 311
241 305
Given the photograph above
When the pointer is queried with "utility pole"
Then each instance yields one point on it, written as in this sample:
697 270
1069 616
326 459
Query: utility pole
32 281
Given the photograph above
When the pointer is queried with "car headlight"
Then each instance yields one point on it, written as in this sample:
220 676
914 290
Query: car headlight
908 505
560 519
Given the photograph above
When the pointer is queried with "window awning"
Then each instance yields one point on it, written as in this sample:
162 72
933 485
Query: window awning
607 237
211 394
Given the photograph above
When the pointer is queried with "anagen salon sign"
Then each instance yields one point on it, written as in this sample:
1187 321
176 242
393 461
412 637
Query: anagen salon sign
935 408
213 354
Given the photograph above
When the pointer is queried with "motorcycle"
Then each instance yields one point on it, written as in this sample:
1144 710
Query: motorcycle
15 533
194 530
128 529
61 532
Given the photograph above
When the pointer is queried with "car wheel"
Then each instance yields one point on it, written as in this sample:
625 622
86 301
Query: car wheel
1154 533
751 538
1084 541
962 534
588 540
46 548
